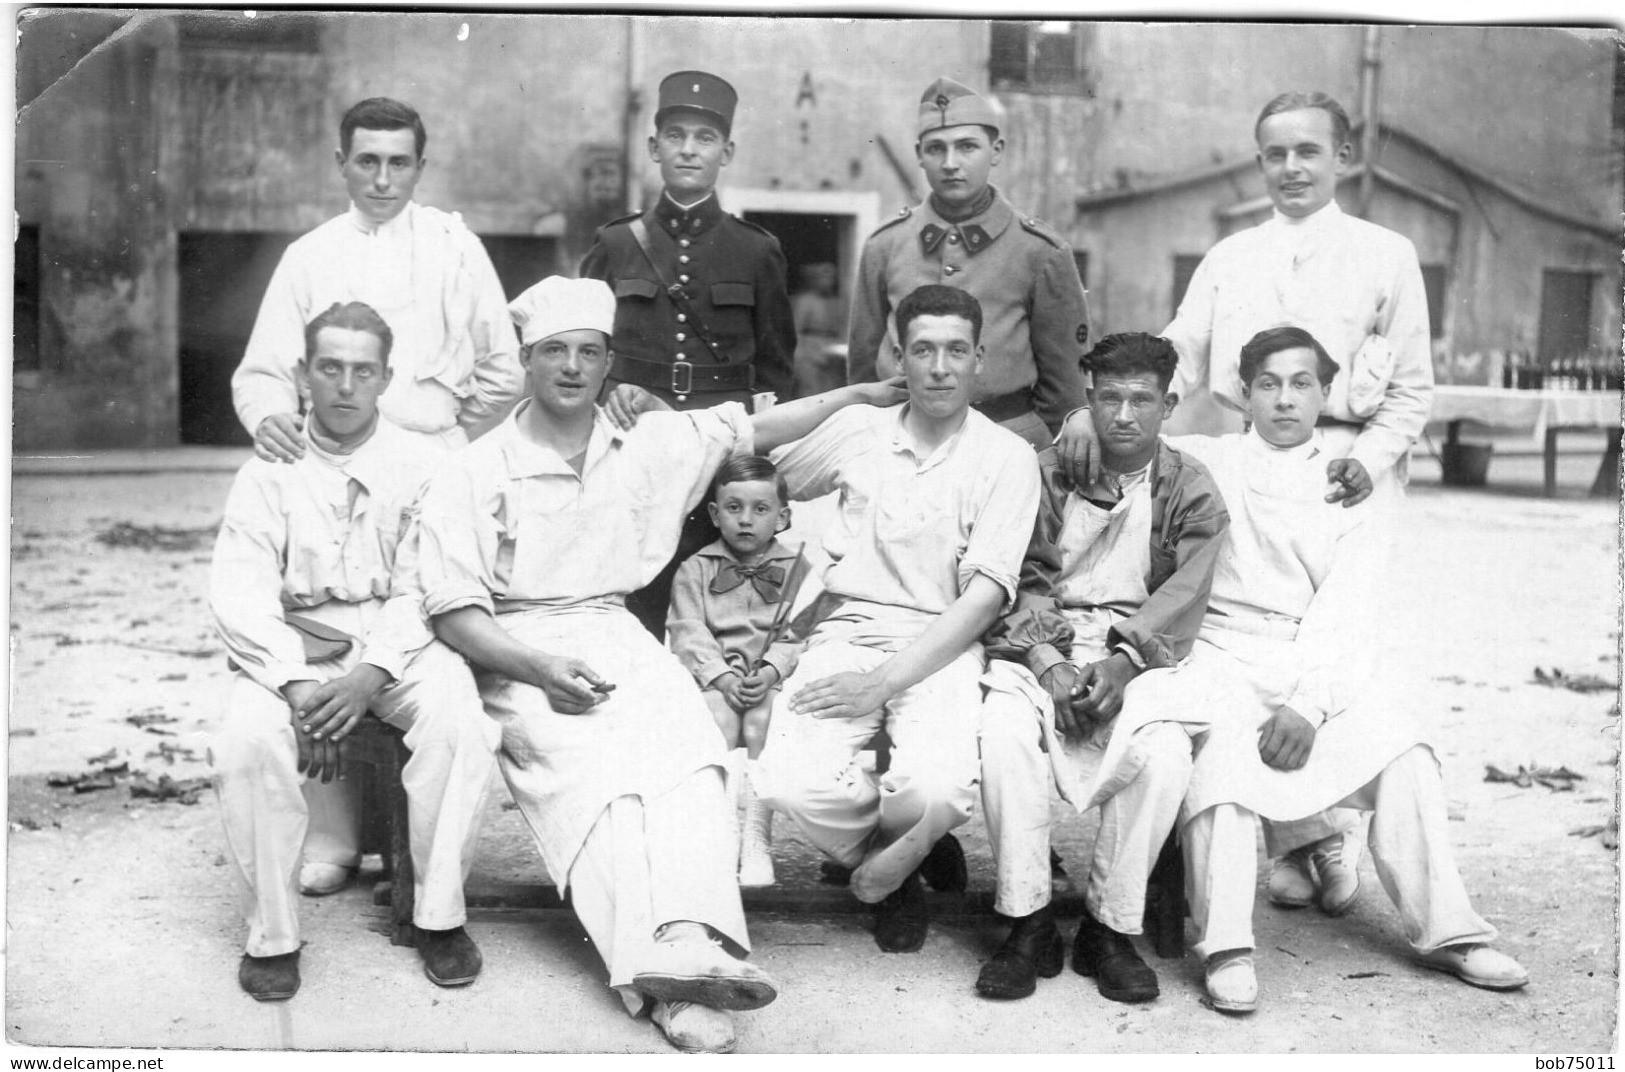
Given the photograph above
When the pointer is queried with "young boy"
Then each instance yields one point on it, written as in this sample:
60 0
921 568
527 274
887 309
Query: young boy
730 607
1280 681
306 551
1112 593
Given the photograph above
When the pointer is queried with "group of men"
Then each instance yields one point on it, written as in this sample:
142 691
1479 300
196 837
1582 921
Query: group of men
1162 630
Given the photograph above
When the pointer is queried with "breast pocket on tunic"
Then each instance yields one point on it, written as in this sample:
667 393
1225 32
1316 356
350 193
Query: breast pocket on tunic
636 300
734 321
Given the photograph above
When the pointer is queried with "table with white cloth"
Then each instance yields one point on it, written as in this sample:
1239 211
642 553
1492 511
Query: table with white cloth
1544 412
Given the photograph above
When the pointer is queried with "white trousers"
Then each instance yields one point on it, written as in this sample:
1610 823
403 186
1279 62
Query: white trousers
1134 821
263 796
647 863
1410 845
882 831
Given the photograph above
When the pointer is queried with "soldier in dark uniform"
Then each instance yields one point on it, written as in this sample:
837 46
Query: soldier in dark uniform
967 235
702 309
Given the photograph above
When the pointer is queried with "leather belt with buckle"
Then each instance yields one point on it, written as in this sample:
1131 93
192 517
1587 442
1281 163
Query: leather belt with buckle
683 377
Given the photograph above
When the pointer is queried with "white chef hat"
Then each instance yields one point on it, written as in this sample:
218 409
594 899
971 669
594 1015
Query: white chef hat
558 304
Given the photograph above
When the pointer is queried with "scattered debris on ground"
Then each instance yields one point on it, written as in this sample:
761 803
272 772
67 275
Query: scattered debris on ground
25 731
171 752
1557 679
1607 833
157 537
184 790
1557 779
149 717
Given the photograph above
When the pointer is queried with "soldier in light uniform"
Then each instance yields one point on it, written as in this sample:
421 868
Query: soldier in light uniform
967 235
702 307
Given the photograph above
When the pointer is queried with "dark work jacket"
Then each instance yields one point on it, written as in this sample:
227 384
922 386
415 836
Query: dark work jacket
735 275
1188 521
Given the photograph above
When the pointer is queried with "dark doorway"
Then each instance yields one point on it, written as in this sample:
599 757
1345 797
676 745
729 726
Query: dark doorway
223 276
806 238
521 260
1565 313
25 300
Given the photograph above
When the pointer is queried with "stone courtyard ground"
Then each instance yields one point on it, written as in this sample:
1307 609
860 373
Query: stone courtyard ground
122 928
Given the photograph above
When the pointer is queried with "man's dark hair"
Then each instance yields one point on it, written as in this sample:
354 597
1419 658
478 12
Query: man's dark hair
1129 352
743 467
350 316
1272 341
991 132
381 113
1299 100
934 299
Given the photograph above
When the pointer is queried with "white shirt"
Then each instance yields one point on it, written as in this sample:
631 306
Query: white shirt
322 531
1339 278
455 355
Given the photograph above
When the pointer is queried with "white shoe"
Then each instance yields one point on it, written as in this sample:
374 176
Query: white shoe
756 843
319 880
700 970
695 1028
1477 965
1290 883
1336 860
1232 985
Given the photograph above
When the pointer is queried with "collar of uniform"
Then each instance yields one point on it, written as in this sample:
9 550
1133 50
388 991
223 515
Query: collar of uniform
1317 222
977 233
401 224
525 458
678 221
1303 451
903 443
776 552
372 463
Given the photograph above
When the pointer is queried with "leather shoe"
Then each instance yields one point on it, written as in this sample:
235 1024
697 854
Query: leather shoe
944 868
699 970
694 1028
1033 949
902 919
1338 877
1290 883
1232 985
1477 965
450 958
1111 958
319 879
274 978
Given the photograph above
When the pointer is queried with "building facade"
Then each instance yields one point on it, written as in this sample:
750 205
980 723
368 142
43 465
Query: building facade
165 158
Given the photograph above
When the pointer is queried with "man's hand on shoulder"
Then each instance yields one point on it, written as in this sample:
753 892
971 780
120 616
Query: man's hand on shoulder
1353 481
280 438
1079 449
1285 741
888 392
627 402
1103 684
848 695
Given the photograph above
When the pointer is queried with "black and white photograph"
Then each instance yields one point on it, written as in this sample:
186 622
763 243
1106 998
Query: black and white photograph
575 532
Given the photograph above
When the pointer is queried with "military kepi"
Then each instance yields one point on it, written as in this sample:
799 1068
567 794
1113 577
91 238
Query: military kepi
946 103
697 91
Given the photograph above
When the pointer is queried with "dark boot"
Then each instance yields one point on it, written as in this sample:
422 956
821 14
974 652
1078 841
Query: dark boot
902 919
1033 949
944 868
274 978
1112 959
450 958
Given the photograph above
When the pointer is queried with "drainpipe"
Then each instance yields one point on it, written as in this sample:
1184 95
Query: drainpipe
631 158
1370 67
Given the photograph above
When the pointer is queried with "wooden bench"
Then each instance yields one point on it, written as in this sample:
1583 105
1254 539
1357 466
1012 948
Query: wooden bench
385 828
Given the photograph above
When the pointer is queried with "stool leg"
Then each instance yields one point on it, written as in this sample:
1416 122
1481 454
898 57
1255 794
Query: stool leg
1165 909
401 892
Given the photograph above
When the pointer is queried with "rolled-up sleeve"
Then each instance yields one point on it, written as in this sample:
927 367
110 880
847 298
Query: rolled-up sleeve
497 379
458 540
245 587
1408 399
1003 526
1034 631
